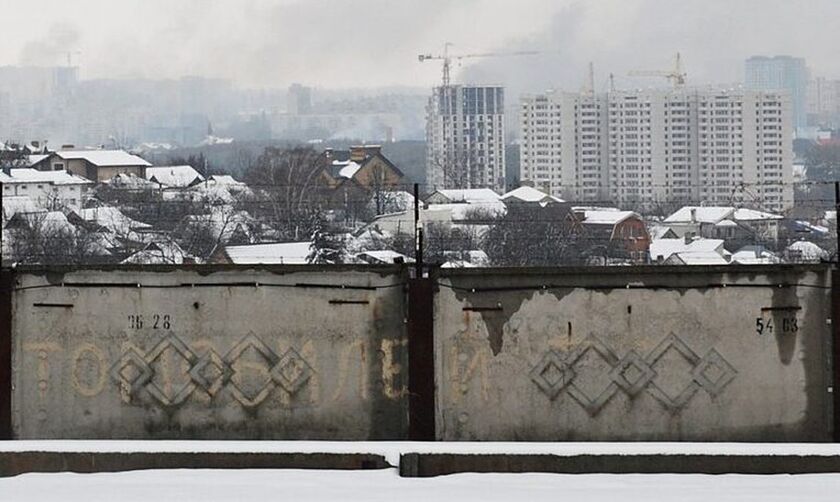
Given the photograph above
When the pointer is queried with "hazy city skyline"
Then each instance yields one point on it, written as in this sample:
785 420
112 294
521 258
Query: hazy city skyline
273 43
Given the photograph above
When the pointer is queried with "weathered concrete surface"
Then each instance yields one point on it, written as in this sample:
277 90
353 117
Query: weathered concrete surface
217 353
655 353
15 463
439 464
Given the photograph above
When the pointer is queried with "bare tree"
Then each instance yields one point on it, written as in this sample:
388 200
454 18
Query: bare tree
286 189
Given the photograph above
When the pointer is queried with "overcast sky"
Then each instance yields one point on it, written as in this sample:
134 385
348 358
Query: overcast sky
362 43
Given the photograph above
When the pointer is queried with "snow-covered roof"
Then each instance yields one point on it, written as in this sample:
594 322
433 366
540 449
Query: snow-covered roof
291 253
807 250
469 195
112 219
13 204
158 253
462 211
806 226
667 247
129 181
51 221
384 256
104 157
224 179
173 176
28 175
580 209
607 217
700 214
215 140
754 255
35 158
714 214
657 231
348 168
529 194
743 214
699 258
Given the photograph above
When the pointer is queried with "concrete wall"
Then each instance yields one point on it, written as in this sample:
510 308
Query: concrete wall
245 353
654 353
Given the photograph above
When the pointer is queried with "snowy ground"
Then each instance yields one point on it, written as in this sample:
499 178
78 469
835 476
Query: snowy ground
386 485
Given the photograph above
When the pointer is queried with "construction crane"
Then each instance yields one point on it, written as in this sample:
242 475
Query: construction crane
447 58
70 55
675 75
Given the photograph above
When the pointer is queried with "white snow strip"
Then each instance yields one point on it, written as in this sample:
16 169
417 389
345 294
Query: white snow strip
391 450
386 485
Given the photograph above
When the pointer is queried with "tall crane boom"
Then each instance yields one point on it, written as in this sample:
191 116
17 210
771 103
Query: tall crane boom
675 75
447 58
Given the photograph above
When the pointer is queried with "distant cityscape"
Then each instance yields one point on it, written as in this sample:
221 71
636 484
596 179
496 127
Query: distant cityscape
183 170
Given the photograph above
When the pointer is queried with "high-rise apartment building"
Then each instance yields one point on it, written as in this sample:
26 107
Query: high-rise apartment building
660 145
465 137
824 102
781 73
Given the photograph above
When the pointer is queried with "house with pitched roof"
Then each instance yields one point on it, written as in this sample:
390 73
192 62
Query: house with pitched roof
95 165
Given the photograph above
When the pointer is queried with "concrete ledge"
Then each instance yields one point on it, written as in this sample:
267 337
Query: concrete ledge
437 464
14 463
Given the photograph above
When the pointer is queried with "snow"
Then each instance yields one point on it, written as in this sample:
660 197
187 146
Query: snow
158 253
27 175
461 212
468 195
700 214
714 214
112 219
289 253
742 214
754 255
224 179
392 450
173 176
129 181
807 250
607 217
383 256
212 485
104 157
349 168
13 204
529 194
667 247
34 159
699 258
657 231
215 140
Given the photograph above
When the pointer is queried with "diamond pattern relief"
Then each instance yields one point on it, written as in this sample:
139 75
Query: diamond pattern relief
592 403
632 374
552 374
678 399
291 372
131 371
592 374
170 372
211 373
169 393
246 397
713 373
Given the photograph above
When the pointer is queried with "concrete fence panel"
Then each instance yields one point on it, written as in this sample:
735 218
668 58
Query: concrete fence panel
292 353
656 353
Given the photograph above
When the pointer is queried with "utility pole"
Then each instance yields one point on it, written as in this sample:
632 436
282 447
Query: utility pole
837 220
418 235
